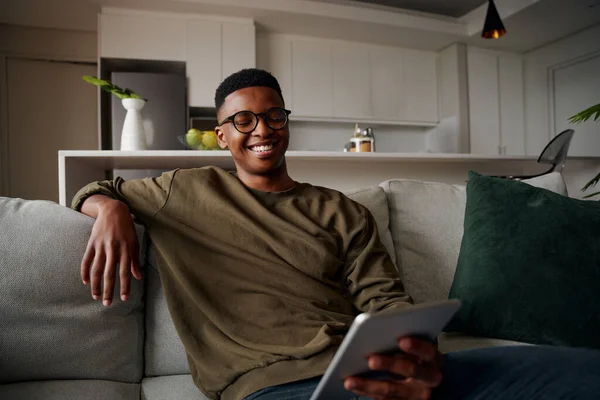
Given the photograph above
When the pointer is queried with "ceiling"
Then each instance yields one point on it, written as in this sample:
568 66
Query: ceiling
530 23
448 8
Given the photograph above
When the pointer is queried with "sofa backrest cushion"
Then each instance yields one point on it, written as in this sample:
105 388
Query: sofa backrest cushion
50 327
426 223
164 353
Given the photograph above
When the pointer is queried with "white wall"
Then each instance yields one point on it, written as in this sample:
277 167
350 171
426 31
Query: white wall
332 136
541 66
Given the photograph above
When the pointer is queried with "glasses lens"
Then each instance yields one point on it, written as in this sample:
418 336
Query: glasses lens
276 118
244 121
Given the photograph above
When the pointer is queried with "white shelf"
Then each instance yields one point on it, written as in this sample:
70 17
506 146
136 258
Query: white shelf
115 159
337 170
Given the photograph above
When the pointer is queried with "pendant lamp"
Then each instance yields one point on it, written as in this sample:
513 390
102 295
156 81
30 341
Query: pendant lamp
493 27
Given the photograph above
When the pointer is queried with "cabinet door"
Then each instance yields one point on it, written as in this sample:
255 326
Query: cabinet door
388 94
420 82
274 54
238 47
144 38
312 72
351 86
484 118
512 117
204 66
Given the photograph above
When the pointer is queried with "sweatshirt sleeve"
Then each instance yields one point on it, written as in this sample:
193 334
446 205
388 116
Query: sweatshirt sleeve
371 277
144 197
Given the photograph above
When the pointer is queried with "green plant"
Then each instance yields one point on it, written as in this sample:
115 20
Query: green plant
109 87
583 116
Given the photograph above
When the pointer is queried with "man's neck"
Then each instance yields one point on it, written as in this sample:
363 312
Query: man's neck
277 182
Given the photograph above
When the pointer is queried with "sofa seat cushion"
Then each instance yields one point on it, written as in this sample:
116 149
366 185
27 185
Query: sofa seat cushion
449 342
71 390
173 387
426 222
51 328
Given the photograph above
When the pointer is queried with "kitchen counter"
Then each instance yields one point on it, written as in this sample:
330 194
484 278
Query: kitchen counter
337 170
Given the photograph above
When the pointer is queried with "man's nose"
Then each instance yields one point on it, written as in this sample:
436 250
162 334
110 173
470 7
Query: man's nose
262 129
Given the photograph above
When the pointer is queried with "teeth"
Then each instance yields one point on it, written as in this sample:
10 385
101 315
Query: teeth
262 148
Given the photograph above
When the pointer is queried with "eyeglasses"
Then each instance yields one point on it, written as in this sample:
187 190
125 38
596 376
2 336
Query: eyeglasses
247 121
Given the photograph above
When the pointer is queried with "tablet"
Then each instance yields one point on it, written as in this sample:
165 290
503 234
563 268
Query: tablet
379 333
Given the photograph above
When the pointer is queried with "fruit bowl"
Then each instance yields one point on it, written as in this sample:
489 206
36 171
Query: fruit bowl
196 139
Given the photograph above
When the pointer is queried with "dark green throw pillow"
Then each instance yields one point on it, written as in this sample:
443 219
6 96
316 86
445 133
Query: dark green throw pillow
529 265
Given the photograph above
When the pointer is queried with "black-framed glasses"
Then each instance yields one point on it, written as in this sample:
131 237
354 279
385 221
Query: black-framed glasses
247 121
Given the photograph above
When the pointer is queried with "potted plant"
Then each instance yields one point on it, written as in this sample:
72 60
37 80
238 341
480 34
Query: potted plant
133 136
583 116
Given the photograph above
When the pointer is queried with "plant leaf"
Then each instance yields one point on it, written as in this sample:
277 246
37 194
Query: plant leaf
586 114
591 183
95 81
591 195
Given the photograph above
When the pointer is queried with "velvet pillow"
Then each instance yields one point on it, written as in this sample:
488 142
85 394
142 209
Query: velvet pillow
529 265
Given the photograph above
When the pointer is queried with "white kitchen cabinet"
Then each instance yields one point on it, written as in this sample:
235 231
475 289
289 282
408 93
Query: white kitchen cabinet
238 47
496 111
484 106
512 114
204 65
333 80
215 50
312 74
420 84
212 49
274 54
388 93
146 37
351 86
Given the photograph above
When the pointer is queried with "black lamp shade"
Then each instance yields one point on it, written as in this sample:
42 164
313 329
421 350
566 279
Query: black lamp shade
493 27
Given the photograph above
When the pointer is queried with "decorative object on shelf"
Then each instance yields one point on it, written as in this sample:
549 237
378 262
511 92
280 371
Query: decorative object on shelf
196 139
583 116
133 135
362 141
493 27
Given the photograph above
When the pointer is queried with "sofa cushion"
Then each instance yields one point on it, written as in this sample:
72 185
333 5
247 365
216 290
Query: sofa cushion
449 342
175 387
70 390
529 265
375 200
426 223
51 328
164 353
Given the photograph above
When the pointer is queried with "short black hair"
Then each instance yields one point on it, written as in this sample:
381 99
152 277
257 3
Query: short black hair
244 78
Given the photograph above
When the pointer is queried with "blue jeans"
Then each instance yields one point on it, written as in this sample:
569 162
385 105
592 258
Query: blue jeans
499 373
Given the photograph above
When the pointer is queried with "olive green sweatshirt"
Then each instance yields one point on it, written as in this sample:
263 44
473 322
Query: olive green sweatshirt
261 286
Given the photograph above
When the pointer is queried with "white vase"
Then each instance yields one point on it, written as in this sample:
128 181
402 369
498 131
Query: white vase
133 136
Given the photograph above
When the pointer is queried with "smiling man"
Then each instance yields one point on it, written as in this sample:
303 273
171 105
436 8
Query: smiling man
263 275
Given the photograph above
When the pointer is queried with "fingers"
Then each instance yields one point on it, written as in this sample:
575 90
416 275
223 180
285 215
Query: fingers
109 278
423 349
96 274
86 263
427 374
135 262
124 275
380 389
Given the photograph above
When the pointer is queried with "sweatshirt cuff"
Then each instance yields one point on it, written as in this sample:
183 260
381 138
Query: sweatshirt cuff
89 191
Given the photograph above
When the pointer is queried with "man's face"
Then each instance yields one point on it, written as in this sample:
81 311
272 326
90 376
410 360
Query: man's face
260 152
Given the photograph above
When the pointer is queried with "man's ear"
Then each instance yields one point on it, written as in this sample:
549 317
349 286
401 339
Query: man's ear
221 139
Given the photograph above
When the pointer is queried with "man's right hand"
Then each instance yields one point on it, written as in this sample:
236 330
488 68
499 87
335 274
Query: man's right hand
113 241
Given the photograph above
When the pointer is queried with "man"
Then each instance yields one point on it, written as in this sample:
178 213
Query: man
263 275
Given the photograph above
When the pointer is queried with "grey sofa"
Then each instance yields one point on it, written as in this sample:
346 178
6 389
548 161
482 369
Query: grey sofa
57 343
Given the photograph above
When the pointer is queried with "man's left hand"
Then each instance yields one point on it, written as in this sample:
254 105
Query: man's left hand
419 366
